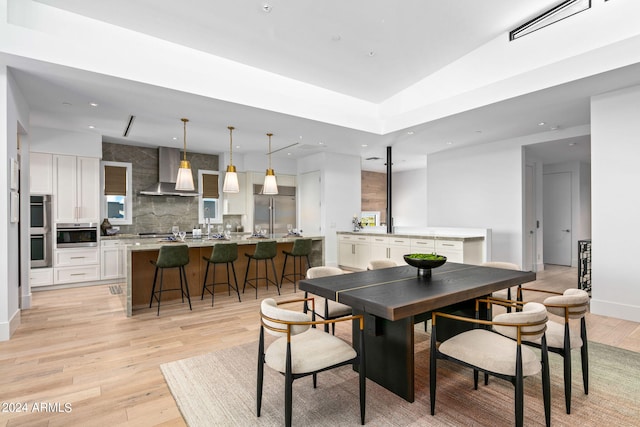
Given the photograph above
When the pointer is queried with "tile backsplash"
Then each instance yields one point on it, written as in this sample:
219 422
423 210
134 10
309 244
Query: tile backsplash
157 213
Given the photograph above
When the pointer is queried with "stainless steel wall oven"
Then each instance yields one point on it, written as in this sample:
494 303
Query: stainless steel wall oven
76 235
40 231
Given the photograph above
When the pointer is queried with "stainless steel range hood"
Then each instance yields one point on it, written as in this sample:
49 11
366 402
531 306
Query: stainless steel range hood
168 164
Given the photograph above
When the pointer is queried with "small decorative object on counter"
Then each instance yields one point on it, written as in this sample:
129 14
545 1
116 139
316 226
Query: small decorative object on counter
106 225
357 225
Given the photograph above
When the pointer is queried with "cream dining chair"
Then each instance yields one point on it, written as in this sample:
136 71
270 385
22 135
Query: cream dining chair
325 308
495 348
572 304
301 350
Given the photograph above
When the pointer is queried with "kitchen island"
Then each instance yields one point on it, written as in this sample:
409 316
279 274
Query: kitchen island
140 271
356 249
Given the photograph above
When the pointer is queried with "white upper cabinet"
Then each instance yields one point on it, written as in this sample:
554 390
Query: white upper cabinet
236 203
41 173
76 183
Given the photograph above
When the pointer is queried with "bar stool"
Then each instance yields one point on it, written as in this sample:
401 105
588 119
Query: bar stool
264 251
222 253
171 257
301 249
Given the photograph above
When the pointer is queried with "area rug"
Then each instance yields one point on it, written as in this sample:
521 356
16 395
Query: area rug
219 388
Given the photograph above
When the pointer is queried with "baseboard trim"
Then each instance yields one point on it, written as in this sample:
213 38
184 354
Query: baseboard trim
616 310
8 328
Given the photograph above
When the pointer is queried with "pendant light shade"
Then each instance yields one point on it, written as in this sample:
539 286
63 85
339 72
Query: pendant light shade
230 177
184 181
270 185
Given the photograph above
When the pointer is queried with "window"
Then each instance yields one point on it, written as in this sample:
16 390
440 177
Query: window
558 13
117 194
209 206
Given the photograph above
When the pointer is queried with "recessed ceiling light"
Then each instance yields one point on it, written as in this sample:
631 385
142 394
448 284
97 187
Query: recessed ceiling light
449 143
66 104
175 138
410 132
320 143
266 8
372 53
93 104
92 127
571 144
364 145
541 124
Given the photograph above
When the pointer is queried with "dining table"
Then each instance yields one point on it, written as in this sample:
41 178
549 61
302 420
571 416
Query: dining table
393 299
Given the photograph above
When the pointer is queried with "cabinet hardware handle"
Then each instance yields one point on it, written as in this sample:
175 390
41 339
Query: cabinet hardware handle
77 274
447 244
77 257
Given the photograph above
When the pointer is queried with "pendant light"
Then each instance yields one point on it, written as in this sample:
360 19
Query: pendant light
270 184
230 177
185 177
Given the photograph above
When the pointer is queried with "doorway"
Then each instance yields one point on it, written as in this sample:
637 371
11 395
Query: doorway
556 208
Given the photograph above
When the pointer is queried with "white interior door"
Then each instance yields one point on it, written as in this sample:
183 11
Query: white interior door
556 210
309 220
529 263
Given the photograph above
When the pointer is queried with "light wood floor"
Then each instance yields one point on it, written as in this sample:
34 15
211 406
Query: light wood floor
75 346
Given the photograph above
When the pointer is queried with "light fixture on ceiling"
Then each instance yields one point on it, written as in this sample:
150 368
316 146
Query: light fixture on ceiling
185 177
270 184
230 177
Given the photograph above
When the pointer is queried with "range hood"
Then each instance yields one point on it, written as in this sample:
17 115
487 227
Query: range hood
168 164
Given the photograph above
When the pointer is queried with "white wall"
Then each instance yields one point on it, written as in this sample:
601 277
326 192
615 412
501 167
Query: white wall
13 118
615 199
480 187
409 203
340 194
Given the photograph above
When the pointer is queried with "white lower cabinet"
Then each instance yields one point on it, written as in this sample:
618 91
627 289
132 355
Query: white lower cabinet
389 247
112 259
354 251
40 277
466 252
422 246
76 265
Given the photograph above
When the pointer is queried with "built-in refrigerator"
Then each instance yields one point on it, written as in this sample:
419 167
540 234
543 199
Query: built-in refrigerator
274 212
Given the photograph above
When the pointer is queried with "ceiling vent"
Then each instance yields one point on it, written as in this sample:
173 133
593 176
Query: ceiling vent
127 129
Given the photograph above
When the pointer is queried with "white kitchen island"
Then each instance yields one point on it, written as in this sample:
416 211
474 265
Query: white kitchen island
468 246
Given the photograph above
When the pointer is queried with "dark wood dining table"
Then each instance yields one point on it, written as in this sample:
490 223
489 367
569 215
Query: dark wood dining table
394 299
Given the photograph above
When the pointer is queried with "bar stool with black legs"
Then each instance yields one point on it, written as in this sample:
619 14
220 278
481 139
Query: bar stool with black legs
222 253
171 257
265 250
300 250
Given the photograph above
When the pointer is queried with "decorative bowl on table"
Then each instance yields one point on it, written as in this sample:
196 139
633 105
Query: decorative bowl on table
425 262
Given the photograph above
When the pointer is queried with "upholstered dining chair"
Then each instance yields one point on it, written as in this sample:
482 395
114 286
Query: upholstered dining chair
376 264
506 266
325 308
498 351
300 350
561 339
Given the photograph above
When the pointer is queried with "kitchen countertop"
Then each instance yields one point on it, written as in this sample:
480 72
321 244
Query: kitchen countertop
455 236
147 243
